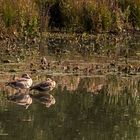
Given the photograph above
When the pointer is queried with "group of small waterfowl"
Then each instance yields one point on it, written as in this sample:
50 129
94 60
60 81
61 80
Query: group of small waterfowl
120 67
24 83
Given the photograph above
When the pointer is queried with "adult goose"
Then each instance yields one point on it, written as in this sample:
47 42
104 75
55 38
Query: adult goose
24 82
47 85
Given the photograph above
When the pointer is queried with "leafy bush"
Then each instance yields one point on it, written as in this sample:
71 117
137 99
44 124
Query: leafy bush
69 15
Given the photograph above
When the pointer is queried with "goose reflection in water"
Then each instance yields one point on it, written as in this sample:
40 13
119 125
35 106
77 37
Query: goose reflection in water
44 98
21 99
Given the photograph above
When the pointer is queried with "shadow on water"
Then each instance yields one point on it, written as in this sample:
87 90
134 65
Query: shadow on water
82 111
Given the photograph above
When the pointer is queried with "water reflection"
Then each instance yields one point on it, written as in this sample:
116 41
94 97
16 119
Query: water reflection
44 98
110 114
21 99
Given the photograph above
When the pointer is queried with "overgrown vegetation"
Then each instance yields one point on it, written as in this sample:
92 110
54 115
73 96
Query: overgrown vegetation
22 17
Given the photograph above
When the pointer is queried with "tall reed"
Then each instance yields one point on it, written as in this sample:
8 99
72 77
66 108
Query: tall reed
69 15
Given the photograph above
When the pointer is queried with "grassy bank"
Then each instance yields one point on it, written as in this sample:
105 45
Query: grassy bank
22 17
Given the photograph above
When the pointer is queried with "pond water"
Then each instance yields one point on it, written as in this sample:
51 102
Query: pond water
81 111
99 106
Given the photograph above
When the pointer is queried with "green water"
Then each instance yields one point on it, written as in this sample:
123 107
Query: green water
113 113
82 111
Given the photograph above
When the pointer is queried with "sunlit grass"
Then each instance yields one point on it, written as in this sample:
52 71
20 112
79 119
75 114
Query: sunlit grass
9 12
70 15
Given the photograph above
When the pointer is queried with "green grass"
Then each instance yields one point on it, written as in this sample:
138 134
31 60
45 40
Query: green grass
69 15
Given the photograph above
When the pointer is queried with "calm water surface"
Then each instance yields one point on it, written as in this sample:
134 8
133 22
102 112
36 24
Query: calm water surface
80 112
88 107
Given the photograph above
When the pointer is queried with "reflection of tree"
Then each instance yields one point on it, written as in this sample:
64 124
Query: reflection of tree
80 115
117 116
114 84
91 84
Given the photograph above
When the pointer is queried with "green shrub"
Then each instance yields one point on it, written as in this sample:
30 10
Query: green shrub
70 15
106 18
134 17
86 17
9 12
27 16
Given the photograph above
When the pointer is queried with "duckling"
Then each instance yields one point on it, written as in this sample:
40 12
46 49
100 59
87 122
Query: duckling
66 69
25 82
45 64
45 99
138 69
44 61
76 68
31 65
47 85
92 69
21 99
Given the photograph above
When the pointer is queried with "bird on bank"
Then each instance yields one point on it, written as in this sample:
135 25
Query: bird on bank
45 99
21 99
47 85
45 64
44 61
24 82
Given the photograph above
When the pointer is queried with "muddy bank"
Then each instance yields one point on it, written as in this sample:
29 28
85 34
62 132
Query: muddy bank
61 44
81 54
